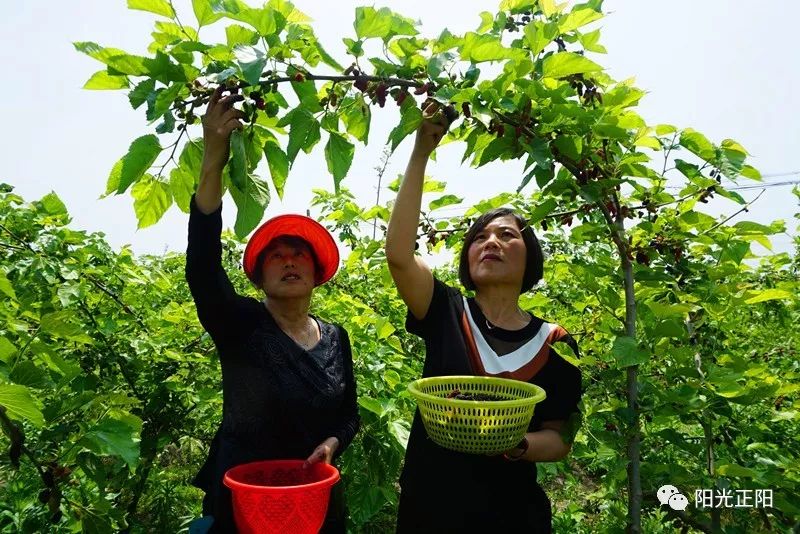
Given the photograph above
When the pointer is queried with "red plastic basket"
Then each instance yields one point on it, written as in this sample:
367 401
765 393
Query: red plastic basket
279 496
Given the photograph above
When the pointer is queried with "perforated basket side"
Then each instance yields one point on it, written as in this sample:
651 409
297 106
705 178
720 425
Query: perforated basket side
478 427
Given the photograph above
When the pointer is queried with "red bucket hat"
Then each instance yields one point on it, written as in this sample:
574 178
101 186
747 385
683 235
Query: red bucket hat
306 228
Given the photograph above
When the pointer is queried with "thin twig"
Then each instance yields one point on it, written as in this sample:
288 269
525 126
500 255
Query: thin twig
172 154
18 239
666 155
389 81
621 246
744 208
116 299
25 348
381 170
13 247
178 22
117 357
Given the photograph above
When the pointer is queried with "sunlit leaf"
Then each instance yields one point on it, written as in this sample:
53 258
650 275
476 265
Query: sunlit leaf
151 199
132 166
278 164
102 80
19 404
339 156
566 64
159 7
768 294
409 121
578 18
251 201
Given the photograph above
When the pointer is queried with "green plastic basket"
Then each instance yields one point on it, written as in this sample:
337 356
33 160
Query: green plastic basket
477 427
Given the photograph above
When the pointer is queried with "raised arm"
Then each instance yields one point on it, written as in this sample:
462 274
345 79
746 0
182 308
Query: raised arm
213 294
411 275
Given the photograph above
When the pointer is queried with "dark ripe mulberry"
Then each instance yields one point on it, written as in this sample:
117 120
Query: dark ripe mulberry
260 103
465 110
500 130
450 113
458 395
380 94
400 97
642 258
361 83
422 89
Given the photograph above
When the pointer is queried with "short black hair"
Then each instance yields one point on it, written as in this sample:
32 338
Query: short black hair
534 262
290 241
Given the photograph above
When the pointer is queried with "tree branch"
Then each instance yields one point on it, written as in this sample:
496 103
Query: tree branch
18 239
116 299
13 247
172 154
744 208
117 358
399 82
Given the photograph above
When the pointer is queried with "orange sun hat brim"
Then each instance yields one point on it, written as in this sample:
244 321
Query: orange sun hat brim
306 228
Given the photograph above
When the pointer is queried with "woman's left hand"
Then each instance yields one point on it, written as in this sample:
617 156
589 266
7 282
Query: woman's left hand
324 452
518 452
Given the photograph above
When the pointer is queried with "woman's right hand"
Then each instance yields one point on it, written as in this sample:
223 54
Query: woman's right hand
220 120
433 127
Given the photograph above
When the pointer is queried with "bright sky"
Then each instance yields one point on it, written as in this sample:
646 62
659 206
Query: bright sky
727 69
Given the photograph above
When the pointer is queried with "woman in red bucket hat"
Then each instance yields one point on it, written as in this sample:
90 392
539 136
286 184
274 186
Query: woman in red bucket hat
287 376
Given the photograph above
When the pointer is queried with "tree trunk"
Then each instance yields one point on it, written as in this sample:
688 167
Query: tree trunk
634 525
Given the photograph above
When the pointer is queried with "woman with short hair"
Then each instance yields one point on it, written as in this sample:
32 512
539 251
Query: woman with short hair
287 376
490 335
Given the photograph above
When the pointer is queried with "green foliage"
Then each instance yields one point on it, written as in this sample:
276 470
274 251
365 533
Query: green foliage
118 371
109 386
